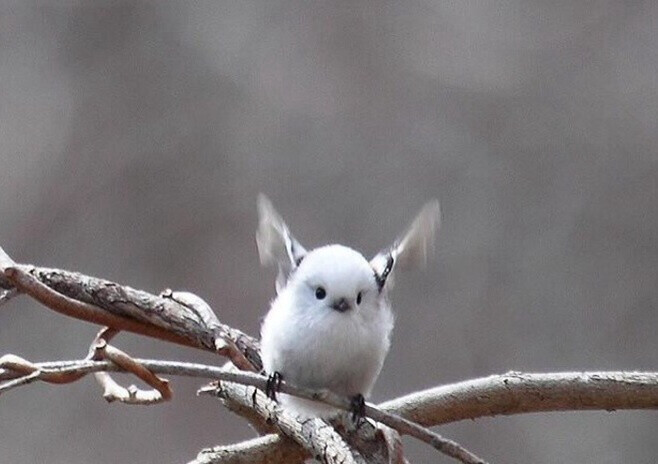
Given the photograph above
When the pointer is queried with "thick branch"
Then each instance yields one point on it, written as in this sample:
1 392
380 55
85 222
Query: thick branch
518 393
189 322
317 437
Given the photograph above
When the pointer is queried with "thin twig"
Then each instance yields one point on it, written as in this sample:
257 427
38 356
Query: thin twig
19 367
405 427
112 391
161 390
20 381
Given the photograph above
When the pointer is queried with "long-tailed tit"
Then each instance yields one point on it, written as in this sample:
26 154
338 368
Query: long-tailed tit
329 326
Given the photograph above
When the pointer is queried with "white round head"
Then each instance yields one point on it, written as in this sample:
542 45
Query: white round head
334 278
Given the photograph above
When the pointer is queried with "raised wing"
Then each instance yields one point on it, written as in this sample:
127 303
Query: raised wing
413 248
276 245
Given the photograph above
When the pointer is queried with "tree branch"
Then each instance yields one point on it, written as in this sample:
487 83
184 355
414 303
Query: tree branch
518 393
271 449
318 438
101 349
313 435
186 319
511 393
188 322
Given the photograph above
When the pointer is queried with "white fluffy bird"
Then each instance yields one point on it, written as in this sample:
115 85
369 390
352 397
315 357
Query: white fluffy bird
330 324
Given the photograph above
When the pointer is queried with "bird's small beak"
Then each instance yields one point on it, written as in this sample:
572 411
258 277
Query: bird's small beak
341 305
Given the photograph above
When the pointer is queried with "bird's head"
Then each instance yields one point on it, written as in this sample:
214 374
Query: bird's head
335 278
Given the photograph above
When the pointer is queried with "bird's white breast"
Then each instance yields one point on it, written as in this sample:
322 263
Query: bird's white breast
342 352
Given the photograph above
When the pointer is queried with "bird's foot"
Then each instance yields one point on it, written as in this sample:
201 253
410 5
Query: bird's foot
273 385
358 409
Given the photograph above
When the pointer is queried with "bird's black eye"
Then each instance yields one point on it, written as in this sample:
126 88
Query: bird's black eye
358 297
320 293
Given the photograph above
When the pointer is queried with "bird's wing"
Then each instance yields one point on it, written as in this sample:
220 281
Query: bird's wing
276 245
413 248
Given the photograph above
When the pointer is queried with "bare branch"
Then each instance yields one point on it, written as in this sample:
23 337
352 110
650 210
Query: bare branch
24 372
448 447
512 393
109 304
241 349
403 426
518 393
186 319
318 438
240 408
112 391
20 381
271 449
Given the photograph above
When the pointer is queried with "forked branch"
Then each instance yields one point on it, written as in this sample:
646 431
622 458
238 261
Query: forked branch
186 319
506 394
180 318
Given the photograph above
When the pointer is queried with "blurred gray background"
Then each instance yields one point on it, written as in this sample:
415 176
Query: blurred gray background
135 136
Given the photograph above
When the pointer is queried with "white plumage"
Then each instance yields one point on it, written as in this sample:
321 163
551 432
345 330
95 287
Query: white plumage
330 324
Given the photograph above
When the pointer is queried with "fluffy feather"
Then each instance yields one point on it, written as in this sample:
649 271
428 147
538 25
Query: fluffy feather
330 325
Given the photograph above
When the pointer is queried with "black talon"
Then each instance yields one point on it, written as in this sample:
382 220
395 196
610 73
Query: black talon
358 409
273 385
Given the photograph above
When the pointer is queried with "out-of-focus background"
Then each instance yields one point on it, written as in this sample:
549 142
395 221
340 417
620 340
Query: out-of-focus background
135 136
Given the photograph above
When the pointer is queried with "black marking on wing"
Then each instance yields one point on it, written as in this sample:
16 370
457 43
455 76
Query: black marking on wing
381 279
